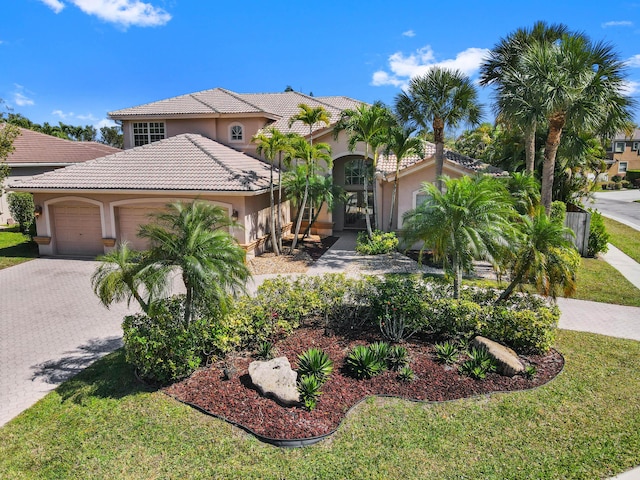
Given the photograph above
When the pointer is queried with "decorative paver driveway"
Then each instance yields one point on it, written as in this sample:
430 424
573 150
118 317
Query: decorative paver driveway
51 327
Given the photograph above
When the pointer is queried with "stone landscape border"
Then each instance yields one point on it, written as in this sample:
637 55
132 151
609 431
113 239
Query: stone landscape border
306 442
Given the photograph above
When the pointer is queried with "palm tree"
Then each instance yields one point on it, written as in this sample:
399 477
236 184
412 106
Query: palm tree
545 257
270 144
322 190
311 116
368 124
125 274
579 85
469 221
402 144
525 190
194 237
439 99
516 102
310 155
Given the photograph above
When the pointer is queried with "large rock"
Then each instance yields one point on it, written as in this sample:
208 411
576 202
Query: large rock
507 360
275 379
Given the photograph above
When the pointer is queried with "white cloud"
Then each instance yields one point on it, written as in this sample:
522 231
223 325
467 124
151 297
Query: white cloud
405 67
634 61
630 87
105 122
88 117
61 114
55 5
620 23
22 100
409 33
124 12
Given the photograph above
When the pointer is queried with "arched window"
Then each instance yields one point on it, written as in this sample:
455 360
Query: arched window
236 133
354 171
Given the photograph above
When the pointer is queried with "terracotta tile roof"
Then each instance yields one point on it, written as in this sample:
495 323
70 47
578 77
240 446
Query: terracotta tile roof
278 107
36 147
185 162
387 163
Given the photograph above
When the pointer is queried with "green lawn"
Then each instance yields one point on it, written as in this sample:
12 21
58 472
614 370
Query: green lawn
624 238
15 248
584 424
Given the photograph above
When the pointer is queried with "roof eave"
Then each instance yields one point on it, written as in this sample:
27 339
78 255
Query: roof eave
160 192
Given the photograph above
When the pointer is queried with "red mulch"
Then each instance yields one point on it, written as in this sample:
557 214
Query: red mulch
236 400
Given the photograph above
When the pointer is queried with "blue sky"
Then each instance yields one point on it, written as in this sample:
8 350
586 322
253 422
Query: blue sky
75 60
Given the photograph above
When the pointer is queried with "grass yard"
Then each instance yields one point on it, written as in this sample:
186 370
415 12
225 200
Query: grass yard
624 237
584 424
15 248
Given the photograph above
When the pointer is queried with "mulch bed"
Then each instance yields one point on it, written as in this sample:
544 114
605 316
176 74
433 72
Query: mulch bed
306 254
238 402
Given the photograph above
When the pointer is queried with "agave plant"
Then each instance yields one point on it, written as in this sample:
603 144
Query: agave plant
398 358
315 362
479 364
266 350
446 352
381 351
309 390
406 374
362 362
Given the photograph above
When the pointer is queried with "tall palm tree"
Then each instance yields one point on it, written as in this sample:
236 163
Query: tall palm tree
469 221
544 257
516 102
402 144
270 144
368 124
194 238
322 190
580 85
125 274
439 99
310 155
311 116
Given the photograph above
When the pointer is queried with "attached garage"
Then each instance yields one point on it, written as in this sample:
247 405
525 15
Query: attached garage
129 218
78 229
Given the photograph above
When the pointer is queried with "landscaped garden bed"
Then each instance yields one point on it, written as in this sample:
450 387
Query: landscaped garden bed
238 402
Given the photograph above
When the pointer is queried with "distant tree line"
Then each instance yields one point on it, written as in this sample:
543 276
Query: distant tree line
108 135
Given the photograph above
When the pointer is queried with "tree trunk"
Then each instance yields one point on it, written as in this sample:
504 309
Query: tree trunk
300 215
556 123
509 290
279 227
315 217
530 147
457 278
272 219
438 138
366 199
393 196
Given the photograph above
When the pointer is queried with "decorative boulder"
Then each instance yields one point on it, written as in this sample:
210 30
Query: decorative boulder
275 379
507 360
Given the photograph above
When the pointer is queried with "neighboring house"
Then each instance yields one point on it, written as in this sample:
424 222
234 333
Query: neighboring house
35 153
623 154
199 146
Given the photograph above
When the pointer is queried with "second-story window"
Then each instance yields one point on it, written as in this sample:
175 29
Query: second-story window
147 132
618 147
236 133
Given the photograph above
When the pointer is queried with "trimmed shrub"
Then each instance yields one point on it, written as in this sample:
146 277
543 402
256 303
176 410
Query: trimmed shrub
379 242
633 177
161 347
558 211
456 318
598 236
21 207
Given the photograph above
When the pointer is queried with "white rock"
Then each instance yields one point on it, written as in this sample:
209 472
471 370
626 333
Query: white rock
275 379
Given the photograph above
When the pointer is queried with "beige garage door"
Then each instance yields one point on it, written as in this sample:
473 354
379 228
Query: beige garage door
78 230
129 221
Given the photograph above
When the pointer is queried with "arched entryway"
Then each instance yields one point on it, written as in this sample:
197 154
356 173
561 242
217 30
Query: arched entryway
349 173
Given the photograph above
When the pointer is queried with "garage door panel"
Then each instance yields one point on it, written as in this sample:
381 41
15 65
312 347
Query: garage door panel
129 221
78 230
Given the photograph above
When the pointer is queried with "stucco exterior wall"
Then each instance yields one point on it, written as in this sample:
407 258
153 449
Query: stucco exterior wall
252 211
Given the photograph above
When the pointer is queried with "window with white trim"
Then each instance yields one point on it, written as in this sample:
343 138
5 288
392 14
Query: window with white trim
147 132
419 197
622 167
236 133
635 146
618 147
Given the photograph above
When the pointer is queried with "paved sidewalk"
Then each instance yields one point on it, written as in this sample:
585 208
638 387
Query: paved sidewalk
626 265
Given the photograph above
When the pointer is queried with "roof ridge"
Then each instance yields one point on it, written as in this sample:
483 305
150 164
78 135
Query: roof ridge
316 100
238 97
189 136
193 95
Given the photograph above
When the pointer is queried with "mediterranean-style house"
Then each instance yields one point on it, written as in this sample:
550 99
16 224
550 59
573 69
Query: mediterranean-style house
623 154
198 146
35 153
